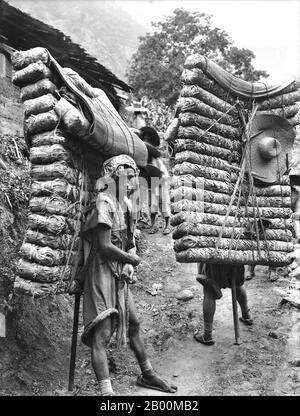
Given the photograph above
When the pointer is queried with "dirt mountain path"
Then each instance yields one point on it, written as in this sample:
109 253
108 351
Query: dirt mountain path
264 364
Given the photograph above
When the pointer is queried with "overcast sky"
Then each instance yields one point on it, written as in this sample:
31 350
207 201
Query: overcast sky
270 28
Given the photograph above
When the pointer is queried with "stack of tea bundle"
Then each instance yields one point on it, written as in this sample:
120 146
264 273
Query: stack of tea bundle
60 180
230 190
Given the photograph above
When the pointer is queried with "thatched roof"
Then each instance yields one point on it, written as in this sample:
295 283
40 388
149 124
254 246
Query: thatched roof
21 31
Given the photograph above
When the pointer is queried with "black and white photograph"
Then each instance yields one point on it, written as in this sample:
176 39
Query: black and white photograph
149 201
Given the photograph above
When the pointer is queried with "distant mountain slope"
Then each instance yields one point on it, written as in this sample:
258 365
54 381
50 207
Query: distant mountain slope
103 29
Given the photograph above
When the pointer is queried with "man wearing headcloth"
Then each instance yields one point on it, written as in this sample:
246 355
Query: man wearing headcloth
110 254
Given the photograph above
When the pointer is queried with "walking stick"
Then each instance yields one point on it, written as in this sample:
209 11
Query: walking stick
235 312
75 288
74 342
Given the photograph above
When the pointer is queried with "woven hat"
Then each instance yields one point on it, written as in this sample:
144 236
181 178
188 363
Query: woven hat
270 146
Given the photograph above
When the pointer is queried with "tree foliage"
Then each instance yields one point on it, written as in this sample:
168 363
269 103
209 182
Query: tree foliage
155 68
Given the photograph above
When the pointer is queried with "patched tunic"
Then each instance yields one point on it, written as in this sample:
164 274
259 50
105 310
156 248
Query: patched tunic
104 292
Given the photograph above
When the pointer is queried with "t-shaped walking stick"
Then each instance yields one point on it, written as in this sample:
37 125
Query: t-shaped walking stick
234 310
74 342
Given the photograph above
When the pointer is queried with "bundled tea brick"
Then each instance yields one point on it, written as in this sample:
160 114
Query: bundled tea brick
199 135
295 121
188 179
196 91
38 105
45 256
52 205
78 150
193 105
264 258
199 194
198 77
22 59
277 102
221 209
53 171
172 130
274 190
204 172
59 187
62 242
280 101
218 220
54 224
37 289
205 154
39 88
40 273
49 154
51 137
194 229
193 119
31 74
37 123
188 242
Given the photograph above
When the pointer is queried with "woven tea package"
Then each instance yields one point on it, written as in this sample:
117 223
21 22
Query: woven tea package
65 163
233 145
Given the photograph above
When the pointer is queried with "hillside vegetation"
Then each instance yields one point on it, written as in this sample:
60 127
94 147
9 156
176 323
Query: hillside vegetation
104 30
